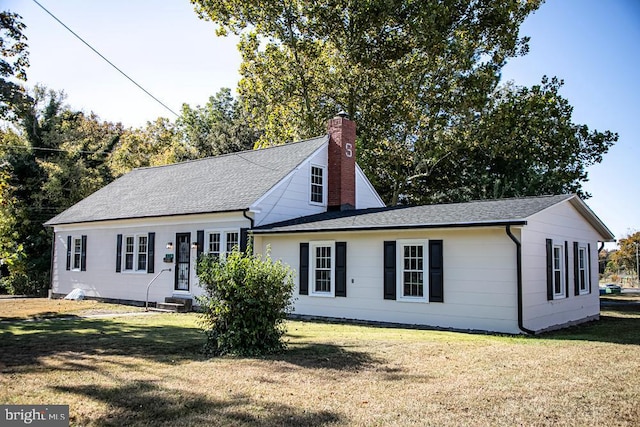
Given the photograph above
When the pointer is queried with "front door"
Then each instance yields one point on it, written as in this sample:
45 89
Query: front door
183 261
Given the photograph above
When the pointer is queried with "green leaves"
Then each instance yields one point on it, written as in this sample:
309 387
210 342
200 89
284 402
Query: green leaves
412 74
14 61
248 298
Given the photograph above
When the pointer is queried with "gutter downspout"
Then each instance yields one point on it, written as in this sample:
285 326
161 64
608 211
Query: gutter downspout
51 265
244 214
519 280
250 231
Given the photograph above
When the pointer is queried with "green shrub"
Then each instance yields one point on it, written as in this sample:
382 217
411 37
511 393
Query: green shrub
247 300
18 283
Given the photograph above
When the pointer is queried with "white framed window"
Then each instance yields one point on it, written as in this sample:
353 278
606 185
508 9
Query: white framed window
142 253
220 242
322 271
559 284
317 189
232 240
412 284
136 250
77 254
583 270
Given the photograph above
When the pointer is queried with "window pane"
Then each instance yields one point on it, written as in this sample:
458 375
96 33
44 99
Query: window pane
77 248
214 243
128 262
413 274
322 263
129 244
233 242
142 261
142 244
316 184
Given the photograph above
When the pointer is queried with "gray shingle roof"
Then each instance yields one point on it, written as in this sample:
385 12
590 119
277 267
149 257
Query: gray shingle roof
217 184
477 213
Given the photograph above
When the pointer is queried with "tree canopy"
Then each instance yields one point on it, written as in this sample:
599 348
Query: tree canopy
54 156
14 61
421 80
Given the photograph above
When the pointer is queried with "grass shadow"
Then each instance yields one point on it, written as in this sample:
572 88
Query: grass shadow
148 403
326 356
24 343
620 325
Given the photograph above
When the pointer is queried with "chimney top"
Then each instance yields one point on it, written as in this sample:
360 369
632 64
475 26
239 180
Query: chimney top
343 114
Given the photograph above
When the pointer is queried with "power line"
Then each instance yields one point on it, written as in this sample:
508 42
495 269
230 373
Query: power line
54 149
109 62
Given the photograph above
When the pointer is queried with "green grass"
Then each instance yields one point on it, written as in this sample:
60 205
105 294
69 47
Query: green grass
149 370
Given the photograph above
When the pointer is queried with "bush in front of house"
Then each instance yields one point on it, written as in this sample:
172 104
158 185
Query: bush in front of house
247 301
18 283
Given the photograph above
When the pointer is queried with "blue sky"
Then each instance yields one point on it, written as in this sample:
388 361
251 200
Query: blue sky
594 45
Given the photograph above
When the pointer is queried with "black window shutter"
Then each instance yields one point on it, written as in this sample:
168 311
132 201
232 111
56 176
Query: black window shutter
588 266
389 270
576 269
566 267
68 252
341 269
151 252
549 269
118 253
303 275
244 239
200 242
83 254
436 282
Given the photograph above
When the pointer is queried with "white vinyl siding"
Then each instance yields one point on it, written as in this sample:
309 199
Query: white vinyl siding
479 266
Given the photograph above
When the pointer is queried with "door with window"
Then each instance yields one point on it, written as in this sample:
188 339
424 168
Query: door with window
183 261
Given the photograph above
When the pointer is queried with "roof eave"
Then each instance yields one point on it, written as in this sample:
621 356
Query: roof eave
52 224
394 227
593 219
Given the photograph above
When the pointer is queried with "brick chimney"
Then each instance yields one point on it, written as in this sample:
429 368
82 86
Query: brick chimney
342 163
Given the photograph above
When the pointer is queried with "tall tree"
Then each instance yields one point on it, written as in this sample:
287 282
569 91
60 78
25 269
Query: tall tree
523 143
56 159
626 255
411 73
219 127
14 60
158 143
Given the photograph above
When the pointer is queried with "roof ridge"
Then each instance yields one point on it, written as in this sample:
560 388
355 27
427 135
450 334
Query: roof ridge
236 153
500 199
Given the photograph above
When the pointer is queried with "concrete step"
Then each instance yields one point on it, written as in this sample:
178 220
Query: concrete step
187 302
161 310
172 307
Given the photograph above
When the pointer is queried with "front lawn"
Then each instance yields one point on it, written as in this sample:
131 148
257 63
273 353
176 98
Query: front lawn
148 370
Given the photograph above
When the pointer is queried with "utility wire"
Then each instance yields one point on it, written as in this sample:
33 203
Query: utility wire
53 149
109 62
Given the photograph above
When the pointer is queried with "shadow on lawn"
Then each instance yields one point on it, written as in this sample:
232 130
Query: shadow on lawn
148 403
620 325
24 343
326 356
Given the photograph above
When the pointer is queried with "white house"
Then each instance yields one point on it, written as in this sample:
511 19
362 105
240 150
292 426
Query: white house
514 265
